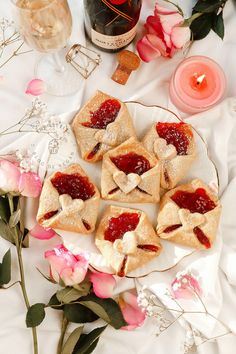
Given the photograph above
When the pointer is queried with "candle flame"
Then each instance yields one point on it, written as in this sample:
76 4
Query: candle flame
200 79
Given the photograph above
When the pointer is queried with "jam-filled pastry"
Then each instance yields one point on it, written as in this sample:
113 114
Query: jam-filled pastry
126 239
69 201
130 174
173 144
103 123
189 215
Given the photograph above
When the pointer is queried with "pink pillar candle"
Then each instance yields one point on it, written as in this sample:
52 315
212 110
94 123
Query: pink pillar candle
197 84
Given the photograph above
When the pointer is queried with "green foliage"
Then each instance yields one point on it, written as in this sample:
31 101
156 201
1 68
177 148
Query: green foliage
207 15
35 315
88 342
78 313
107 309
5 269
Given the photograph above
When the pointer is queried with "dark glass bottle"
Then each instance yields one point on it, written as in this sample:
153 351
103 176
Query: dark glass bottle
111 24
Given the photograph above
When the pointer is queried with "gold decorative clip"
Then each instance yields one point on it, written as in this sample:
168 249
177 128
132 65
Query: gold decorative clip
83 59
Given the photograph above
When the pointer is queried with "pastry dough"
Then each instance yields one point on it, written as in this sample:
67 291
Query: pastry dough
134 248
59 210
95 142
174 166
186 226
131 187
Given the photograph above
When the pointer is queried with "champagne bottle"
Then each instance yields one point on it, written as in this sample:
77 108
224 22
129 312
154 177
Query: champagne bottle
111 24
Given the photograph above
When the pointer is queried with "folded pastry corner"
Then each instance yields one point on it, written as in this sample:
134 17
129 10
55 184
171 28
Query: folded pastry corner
189 215
103 123
126 239
69 201
130 174
173 145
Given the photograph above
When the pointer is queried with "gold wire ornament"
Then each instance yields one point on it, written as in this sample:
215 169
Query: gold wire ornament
83 59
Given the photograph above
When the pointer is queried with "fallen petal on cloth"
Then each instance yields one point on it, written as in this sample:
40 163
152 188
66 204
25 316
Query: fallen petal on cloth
36 87
41 233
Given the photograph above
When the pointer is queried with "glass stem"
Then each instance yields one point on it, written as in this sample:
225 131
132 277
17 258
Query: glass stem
60 68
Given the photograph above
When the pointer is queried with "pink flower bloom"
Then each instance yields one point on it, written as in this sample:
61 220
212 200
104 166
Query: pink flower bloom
132 313
64 265
36 87
30 184
103 284
13 180
9 176
185 286
165 34
41 233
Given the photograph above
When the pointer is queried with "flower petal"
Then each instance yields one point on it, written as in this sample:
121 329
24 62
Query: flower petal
36 87
185 286
9 176
157 43
41 233
170 21
30 184
164 8
146 51
103 284
180 36
132 313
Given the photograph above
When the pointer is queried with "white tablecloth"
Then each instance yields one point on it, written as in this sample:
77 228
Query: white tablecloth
149 86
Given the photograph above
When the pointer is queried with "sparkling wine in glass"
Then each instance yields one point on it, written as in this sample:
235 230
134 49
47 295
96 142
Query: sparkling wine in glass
46 26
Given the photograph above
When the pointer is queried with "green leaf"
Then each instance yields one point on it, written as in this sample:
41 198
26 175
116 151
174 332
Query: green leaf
201 26
83 288
6 232
69 295
77 313
4 209
207 6
88 342
25 238
72 340
54 303
35 315
107 309
15 218
5 269
218 25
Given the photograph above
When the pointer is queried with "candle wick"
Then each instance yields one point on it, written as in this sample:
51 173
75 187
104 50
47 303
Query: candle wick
200 79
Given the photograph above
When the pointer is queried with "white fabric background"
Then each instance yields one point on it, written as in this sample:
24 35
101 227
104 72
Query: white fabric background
149 86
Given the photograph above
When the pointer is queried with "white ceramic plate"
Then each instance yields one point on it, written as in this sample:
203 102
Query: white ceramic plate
203 167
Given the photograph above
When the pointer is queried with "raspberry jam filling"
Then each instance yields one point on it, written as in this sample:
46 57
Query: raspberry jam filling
177 134
132 163
105 114
121 272
150 248
50 214
172 228
118 226
75 185
196 202
202 238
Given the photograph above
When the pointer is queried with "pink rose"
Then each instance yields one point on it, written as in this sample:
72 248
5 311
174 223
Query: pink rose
103 284
64 265
132 313
166 34
185 286
12 179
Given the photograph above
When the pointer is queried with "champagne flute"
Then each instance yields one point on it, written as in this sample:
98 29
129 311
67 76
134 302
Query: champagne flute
46 26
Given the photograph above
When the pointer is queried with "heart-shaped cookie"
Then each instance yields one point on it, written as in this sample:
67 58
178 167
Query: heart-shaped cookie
127 183
69 205
128 244
164 151
109 135
190 220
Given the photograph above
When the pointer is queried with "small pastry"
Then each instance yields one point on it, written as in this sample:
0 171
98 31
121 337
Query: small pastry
69 201
126 239
130 174
173 144
189 215
103 123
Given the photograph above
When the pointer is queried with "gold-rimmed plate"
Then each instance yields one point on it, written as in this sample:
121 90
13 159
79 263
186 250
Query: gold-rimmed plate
203 168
